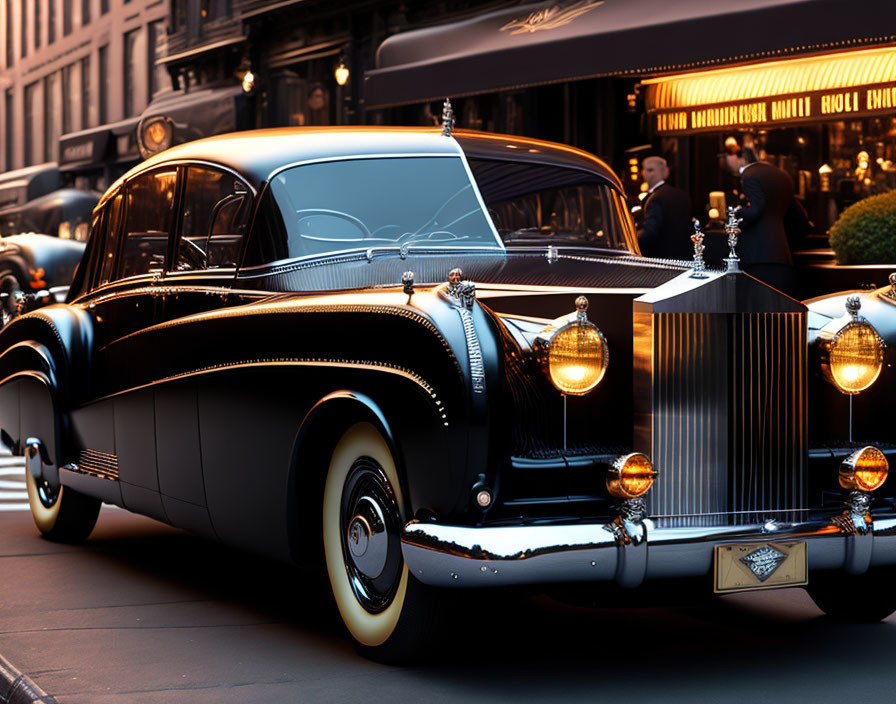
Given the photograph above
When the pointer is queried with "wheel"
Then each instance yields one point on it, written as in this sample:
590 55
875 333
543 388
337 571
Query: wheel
386 610
9 284
865 598
60 513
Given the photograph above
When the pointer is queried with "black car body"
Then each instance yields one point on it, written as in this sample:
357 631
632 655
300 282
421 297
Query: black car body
274 341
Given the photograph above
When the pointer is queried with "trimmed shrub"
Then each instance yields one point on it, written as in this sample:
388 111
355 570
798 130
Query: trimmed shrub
866 231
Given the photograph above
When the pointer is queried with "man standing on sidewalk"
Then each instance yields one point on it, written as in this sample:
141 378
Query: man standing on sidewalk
667 222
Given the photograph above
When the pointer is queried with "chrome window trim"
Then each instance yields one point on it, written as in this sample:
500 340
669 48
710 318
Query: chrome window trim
127 178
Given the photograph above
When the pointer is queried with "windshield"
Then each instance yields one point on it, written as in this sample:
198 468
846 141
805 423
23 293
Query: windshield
398 201
538 204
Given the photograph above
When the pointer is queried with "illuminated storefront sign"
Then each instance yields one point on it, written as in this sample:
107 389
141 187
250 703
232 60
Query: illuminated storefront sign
835 86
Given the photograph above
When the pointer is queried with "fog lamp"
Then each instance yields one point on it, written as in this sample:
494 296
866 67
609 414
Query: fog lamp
856 357
864 470
631 476
577 354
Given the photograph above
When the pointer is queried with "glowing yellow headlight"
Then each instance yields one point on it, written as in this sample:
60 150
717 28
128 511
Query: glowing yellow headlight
865 469
577 358
856 357
575 352
631 476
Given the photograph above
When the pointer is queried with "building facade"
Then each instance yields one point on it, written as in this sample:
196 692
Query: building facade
75 65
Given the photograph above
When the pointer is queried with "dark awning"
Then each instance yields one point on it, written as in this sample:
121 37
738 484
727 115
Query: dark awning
550 41
201 113
98 146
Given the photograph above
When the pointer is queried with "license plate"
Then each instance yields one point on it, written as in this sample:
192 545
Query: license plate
746 566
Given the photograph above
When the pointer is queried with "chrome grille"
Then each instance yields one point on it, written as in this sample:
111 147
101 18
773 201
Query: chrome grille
725 419
99 464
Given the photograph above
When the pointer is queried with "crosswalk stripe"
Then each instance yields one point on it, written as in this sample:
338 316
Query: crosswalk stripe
13 492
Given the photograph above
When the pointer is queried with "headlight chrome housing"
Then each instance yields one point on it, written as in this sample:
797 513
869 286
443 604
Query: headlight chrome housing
864 470
630 476
854 357
574 352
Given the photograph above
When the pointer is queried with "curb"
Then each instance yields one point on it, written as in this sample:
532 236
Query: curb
16 688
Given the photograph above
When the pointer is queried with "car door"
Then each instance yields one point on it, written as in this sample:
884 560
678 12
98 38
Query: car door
212 221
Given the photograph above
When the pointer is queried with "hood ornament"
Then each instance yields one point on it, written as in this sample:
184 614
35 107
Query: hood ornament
582 309
447 118
698 268
732 229
891 294
407 283
461 294
853 306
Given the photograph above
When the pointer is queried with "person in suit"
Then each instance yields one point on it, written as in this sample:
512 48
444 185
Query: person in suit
763 248
667 228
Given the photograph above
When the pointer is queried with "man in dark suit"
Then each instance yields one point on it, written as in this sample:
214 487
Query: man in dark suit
763 247
667 215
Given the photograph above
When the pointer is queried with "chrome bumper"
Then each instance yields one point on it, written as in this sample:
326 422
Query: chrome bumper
625 551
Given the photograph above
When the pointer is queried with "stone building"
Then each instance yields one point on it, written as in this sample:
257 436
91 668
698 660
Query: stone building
78 67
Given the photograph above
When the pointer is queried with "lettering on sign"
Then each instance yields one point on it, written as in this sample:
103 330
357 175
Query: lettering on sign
870 100
78 152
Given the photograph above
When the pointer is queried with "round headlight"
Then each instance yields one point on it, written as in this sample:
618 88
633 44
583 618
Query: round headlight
631 476
864 469
577 358
856 357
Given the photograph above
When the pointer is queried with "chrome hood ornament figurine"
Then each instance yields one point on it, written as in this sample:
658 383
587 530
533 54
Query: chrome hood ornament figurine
447 118
732 229
698 268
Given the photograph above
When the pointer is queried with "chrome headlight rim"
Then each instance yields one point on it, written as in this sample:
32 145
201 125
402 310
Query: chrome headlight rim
546 339
615 485
828 350
850 478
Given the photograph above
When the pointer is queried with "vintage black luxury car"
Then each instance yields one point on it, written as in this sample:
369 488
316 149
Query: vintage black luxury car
275 340
43 240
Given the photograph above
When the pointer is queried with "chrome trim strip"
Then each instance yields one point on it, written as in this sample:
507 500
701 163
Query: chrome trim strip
625 552
298 362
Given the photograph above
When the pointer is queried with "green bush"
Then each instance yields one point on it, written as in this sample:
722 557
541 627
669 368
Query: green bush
866 231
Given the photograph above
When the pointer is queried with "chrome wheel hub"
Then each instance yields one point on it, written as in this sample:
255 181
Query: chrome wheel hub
370 535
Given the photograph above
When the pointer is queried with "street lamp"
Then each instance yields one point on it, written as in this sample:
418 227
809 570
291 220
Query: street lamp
341 73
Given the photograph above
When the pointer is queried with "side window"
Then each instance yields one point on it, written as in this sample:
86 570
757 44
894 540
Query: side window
215 216
111 229
150 207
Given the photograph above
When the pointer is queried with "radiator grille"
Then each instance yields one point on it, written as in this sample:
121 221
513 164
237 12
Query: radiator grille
99 464
728 420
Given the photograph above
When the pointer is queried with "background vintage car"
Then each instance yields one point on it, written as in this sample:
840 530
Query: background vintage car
274 341
43 240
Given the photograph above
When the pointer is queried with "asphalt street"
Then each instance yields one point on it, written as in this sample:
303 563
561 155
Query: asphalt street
146 613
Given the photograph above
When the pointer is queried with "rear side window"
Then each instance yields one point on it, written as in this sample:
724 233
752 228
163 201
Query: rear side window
215 215
111 229
150 210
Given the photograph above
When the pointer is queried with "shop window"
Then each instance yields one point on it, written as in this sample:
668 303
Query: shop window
150 206
215 217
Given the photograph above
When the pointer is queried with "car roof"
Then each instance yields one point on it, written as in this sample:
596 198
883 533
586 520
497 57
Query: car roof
504 147
257 154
